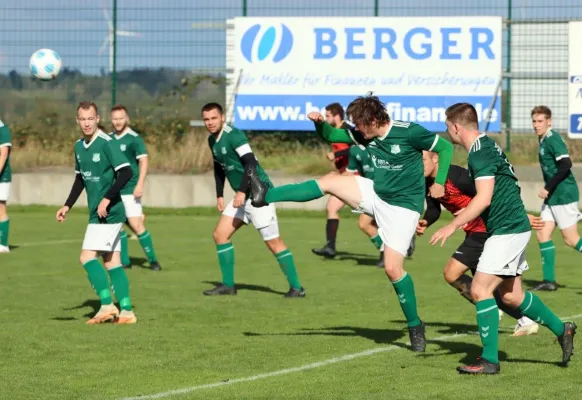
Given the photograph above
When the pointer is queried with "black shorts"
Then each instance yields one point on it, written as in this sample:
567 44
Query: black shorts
470 250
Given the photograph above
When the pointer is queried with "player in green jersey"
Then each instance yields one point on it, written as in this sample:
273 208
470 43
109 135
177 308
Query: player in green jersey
102 170
5 180
502 262
560 195
134 148
232 158
394 198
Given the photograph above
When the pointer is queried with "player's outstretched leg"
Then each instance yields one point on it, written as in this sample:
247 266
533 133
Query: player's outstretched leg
120 286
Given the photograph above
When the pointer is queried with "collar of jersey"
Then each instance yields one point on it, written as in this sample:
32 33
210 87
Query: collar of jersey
123 134
387 132
87 145
545 135
481 135
220 134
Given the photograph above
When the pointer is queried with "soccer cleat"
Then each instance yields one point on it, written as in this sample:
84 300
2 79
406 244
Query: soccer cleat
257 187
220 290
295 293
155 266
325 251
105 314
481 367
4 249
380 263
417 338
125 318
525 326
567 341
546 286
411 248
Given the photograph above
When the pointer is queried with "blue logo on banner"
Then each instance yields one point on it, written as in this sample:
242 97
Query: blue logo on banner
267 43
576 123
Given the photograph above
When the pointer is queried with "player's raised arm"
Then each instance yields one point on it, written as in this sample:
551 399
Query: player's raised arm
328 132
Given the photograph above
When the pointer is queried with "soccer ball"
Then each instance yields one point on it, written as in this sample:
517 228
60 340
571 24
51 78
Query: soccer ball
45 64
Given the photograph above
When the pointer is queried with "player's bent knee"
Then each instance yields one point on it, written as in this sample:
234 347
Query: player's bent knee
479 293
512 299
276 245
571 241
219 236
136 223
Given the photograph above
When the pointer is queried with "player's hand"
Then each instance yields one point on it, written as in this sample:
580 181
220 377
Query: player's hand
315 116
220 204
102 208
443 234
239 199
138 192
331 156
536 222
543 193
421 227
62 213
437 191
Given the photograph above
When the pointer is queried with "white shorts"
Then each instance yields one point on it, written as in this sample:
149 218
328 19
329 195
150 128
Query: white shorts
132 206
396 225
263 218
504 254
564 215
102 237
4 191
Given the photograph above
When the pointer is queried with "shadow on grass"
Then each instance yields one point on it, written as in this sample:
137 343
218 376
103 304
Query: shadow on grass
252 288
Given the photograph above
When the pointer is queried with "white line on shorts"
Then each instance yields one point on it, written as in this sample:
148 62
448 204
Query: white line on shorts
286 371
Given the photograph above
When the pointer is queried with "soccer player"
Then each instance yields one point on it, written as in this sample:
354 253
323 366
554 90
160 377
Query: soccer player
459 191
395 198
133 146
232 158
560 195
502 261
102 170
5 180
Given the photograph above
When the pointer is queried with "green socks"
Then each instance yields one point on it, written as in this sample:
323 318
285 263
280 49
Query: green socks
578 245
145 240
287 264
533 308
124 248
120 285
488 324
377 241
405 290
226 261
4 227
296 192
98 278
548 252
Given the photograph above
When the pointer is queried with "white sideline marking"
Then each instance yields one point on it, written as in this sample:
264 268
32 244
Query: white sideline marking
62 241
306 367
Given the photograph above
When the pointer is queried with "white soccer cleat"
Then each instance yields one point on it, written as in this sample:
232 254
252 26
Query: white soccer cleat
4 249
525 326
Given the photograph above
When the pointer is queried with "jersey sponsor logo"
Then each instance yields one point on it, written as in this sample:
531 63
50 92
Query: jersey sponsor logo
96 157
123 147
88 176
383 164
394 148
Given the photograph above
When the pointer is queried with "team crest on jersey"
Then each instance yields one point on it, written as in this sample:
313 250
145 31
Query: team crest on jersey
224 150
394 148
542 151
96 157
123 147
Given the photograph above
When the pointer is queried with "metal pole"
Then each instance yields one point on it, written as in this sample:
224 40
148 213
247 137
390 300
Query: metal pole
508 103
376 8
114 69
244 8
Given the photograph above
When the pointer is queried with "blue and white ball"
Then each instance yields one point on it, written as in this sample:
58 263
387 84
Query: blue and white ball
45 64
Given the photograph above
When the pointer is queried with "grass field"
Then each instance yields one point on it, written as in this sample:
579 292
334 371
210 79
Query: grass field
345 340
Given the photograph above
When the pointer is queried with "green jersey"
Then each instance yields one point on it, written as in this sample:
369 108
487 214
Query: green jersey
97 162
553 149
133 146
506 213
227 149
359 161
5 141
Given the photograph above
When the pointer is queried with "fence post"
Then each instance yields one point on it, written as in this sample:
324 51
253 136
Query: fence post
508 102
376 8
244 8
114 64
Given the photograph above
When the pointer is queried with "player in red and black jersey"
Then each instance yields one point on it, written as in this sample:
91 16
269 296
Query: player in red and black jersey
459 191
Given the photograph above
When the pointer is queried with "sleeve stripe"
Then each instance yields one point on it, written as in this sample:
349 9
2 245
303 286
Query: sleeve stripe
121 166
244 149
436 140
6 144
351 170
77 172
140 156
562 156
484 177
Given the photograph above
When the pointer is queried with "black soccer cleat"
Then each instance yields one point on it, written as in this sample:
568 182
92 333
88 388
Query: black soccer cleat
412 247
258 188
295 293
380 263
417 338
221 290
481 367
155 266
326 251
546 286
567 341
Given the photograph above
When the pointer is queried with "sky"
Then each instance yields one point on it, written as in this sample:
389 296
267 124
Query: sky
76 29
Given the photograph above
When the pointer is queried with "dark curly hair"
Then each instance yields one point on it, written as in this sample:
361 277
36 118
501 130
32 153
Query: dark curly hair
368 110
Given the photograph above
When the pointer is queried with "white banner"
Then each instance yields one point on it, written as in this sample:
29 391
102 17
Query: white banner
575 80
287 67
